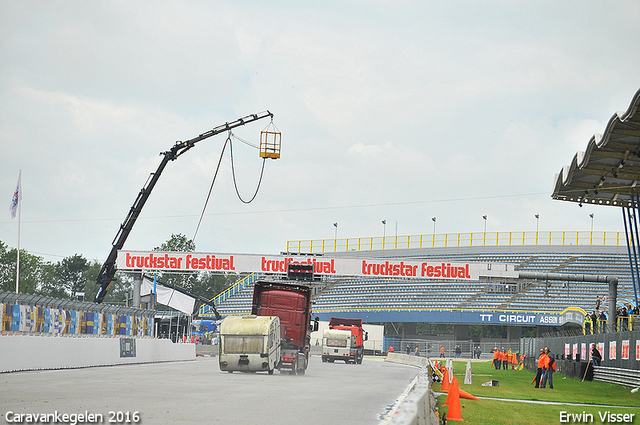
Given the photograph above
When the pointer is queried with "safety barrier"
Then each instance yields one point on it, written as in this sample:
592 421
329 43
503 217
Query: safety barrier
614 375
417 404
457 240
46 351
624 323
33 314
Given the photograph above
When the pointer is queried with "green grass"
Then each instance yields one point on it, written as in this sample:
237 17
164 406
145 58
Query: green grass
517 385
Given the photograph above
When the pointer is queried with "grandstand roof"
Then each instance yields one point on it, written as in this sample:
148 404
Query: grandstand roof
608 171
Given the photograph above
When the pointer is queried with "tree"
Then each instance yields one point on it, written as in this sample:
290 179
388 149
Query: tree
179 243
30 270
209 284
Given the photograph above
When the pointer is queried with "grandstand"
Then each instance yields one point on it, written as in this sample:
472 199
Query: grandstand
416 300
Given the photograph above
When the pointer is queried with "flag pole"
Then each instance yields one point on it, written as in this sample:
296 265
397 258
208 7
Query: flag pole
18 252
19 218
15 205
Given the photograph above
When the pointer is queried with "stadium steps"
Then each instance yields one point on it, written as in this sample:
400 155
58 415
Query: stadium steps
564 264
524 263
517 295
471 299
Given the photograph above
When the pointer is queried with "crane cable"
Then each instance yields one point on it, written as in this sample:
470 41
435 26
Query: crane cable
215 175
235 184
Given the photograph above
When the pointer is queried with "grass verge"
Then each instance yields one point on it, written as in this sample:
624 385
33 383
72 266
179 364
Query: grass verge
516 385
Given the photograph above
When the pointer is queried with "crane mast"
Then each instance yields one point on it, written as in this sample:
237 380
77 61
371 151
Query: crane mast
106 276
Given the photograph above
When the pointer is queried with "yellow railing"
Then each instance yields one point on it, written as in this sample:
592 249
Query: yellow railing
457 240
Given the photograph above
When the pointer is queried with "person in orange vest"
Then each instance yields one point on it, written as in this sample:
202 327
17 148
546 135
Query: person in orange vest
505 359
496 358
550 367
541 362
441 351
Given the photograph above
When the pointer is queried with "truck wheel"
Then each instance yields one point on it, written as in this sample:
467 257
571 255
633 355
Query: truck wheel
359 359
270 371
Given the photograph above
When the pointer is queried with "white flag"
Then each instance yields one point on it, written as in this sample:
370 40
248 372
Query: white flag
17 196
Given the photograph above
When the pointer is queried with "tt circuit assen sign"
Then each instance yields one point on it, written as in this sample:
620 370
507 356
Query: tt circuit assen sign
243 263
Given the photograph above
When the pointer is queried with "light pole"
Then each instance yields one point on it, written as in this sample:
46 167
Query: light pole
434 224
537 216
336 233
591 215
384 231
484 217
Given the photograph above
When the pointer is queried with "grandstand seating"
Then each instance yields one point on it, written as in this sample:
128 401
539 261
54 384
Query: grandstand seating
392 293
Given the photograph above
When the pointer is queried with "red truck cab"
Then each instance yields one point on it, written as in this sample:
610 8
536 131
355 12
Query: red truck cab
291 302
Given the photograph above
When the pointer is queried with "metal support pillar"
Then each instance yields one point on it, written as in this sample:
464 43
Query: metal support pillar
137 283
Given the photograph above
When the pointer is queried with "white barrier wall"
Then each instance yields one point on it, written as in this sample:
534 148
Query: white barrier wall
417 406
32 352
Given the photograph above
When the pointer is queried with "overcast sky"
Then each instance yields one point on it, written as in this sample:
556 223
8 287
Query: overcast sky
398 111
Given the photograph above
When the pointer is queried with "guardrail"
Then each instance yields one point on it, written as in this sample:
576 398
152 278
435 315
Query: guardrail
206 310
416 405
445 240
614 375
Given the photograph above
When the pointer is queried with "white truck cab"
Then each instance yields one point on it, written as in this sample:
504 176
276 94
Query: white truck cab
336 345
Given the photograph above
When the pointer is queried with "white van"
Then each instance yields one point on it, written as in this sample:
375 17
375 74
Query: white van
249 343
336 345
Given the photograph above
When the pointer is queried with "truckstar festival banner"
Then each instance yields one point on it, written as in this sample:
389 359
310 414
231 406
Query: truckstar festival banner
238 263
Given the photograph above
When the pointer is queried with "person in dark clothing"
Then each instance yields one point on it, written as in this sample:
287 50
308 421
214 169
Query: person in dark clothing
550 367
596 357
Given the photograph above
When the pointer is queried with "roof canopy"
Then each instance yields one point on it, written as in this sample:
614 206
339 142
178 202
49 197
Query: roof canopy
608 171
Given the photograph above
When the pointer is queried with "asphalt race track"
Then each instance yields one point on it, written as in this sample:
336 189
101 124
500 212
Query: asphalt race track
198 392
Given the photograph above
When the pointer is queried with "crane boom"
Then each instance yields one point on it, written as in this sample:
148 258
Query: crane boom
107 273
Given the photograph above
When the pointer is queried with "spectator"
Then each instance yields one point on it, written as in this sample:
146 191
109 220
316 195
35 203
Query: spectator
602 319
587 325
624 313
550 367
540 371
595 355
441 351
417 351
458 351
408 350
496 358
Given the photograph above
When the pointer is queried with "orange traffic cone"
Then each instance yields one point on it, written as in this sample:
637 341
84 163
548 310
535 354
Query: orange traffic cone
465 394
454 413
448 400
445 380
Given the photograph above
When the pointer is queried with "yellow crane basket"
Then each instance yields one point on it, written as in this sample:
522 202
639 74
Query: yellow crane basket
270 139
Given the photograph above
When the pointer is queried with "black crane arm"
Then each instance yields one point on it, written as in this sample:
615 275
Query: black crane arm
107 273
